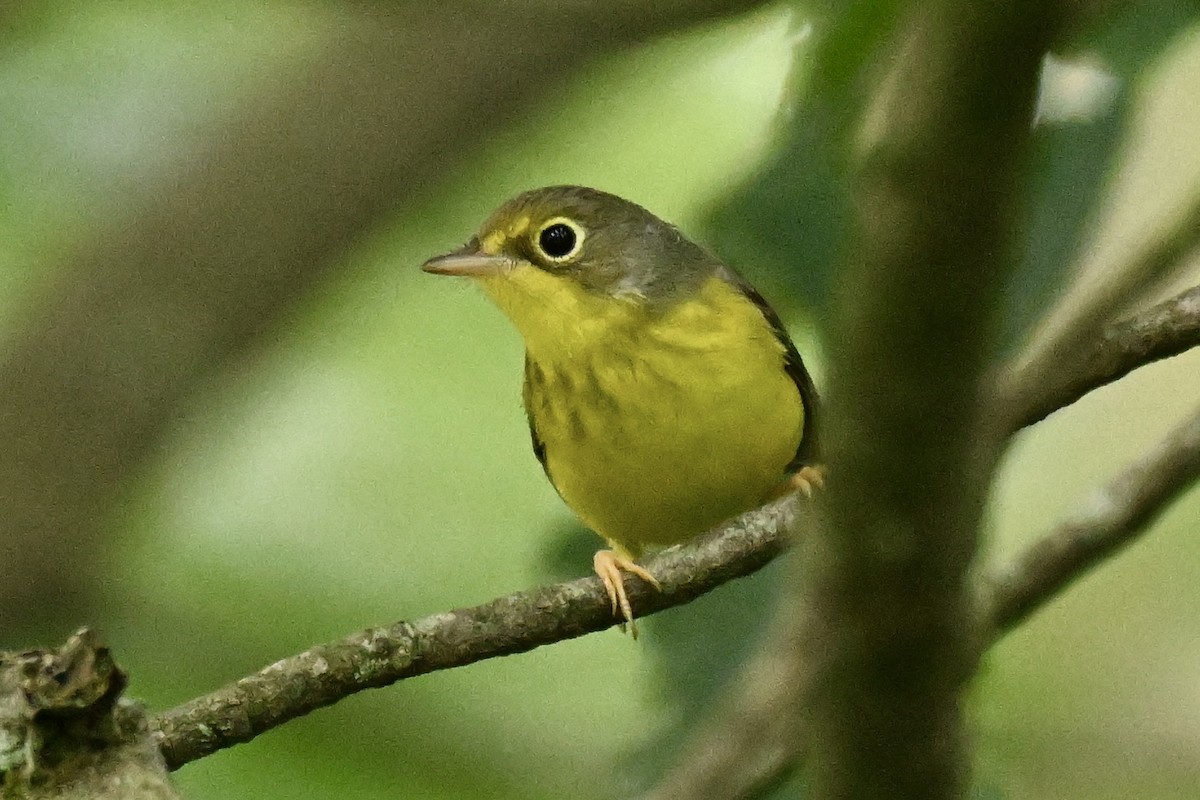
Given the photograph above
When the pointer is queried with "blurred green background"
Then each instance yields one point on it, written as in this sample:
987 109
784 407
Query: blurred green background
367 459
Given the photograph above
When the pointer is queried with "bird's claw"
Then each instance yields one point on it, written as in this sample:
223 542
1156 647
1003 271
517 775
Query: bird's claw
807 479
608 564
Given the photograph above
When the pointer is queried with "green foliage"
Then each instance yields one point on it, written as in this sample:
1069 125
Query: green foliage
792 217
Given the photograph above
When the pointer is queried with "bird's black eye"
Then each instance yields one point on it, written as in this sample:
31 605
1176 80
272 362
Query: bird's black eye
560 239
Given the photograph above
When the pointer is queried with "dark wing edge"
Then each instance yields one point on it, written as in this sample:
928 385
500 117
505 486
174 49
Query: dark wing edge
807 451
539 447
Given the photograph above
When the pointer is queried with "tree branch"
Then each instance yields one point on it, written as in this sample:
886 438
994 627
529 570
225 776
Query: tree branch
66 733
1065 332
1167 329
322 675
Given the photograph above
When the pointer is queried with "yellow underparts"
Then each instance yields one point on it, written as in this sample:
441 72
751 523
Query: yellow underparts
657 425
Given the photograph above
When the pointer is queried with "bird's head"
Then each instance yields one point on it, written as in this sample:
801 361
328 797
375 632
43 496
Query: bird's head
572 239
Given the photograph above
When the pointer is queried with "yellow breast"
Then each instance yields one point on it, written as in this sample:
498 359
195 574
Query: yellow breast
656 425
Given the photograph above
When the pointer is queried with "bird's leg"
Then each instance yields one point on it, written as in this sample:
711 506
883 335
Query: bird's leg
608 565
804 480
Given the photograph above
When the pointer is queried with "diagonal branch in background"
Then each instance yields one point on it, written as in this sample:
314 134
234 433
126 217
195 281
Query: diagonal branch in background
744 746
220 245
1062 337
1167 329
322 675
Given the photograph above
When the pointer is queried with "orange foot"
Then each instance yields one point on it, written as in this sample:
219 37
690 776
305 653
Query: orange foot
804 480
807 479
608 565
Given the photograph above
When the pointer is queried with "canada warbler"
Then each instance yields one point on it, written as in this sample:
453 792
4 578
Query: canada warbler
663 393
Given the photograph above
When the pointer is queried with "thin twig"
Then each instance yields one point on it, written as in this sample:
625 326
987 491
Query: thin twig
1066 330
324 674
258 703
1167 329
299 684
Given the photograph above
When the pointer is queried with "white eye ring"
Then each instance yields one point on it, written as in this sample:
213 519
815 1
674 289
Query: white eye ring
567 232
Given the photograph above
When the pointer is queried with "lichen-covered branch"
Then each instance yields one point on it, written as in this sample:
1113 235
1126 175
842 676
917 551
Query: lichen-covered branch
66 733
322 675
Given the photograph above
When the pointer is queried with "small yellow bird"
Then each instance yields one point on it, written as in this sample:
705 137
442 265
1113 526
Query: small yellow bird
663 394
